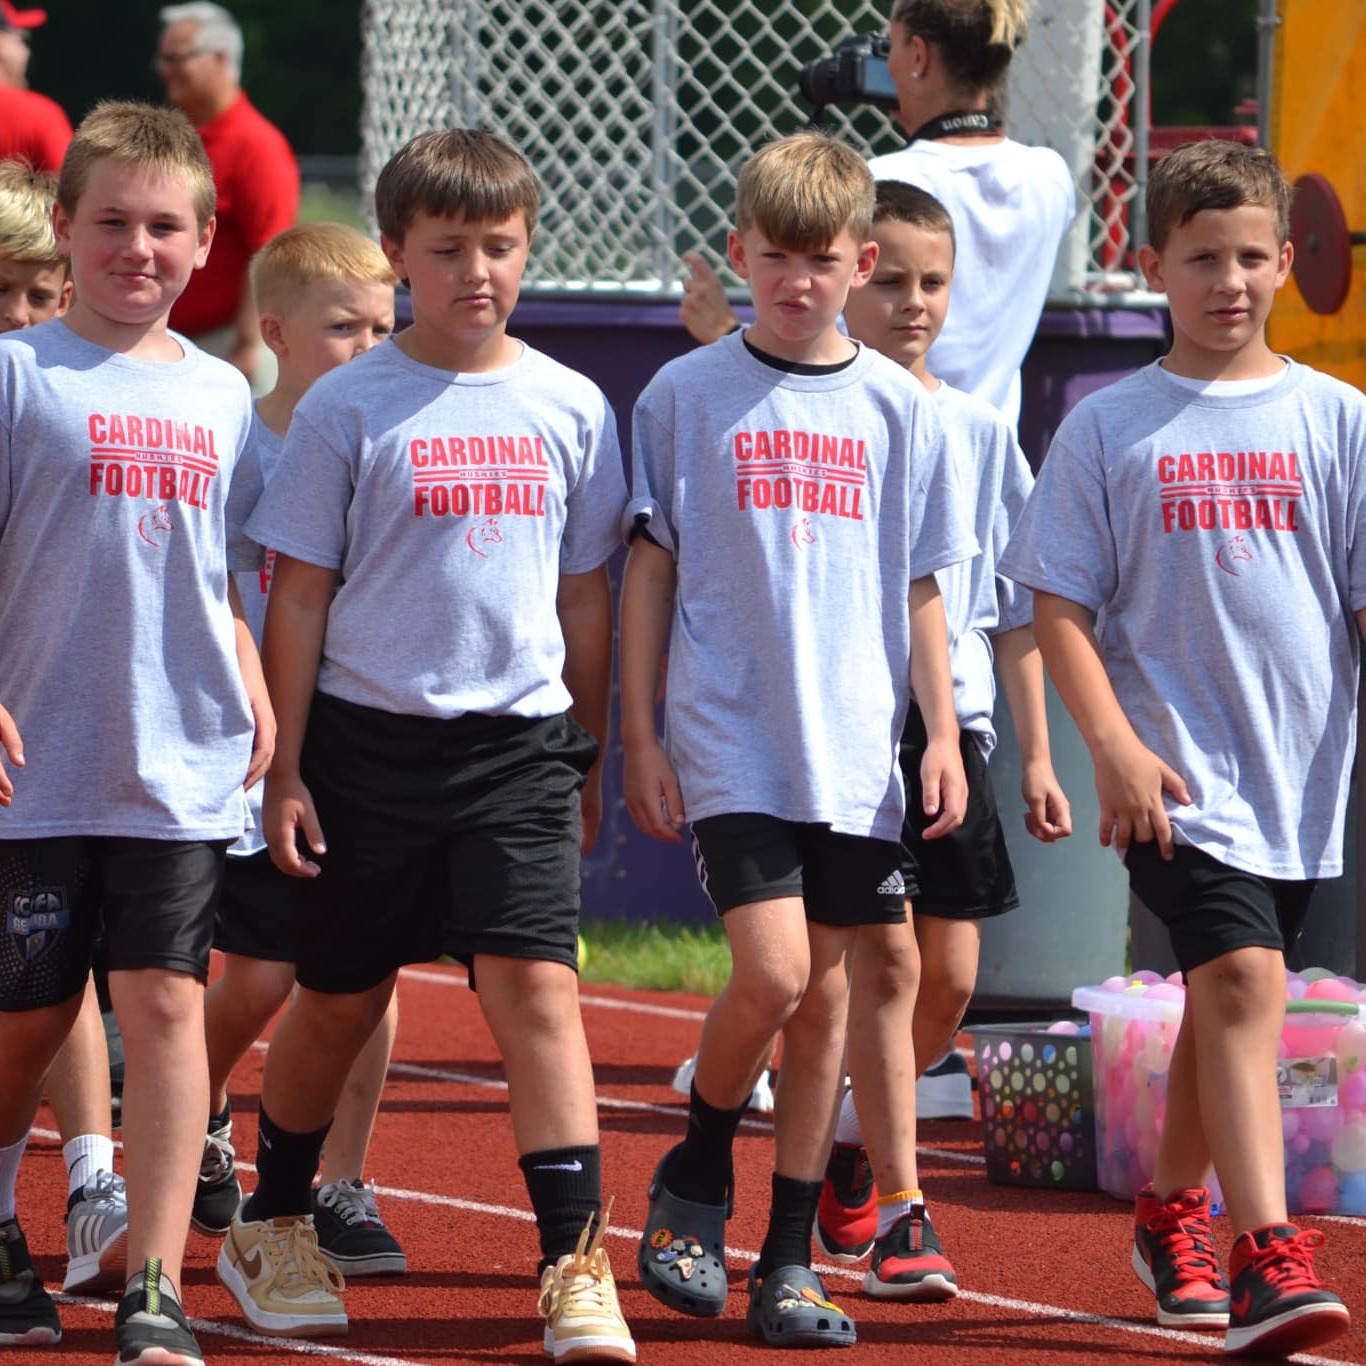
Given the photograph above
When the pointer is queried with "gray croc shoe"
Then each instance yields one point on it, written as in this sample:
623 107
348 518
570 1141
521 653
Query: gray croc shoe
681 1259
788 1308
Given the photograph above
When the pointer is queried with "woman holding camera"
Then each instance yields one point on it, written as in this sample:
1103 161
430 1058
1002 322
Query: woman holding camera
1010 203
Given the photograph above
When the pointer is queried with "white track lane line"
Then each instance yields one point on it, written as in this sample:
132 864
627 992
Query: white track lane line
1026 1308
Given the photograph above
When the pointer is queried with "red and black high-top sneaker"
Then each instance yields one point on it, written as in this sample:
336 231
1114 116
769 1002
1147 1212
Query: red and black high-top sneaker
909 1262
846 1218
1278 1304
1175 1257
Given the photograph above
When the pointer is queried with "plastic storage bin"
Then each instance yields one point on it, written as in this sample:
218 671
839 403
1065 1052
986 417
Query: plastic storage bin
1035 1084
1321 1073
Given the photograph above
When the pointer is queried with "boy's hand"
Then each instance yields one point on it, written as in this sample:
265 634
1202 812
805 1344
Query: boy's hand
14 752
263 745
1049 814
653 796
945 787
704 310
590 804
1130 781
289 812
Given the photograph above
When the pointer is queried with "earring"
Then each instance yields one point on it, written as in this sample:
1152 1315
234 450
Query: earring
915 75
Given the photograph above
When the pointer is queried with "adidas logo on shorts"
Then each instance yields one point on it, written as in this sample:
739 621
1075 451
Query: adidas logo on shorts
892 886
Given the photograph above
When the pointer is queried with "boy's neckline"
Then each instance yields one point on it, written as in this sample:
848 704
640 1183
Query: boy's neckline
510 352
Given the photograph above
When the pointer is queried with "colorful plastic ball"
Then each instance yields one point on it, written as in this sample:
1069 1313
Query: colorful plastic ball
1322 1122
1352 1090
1147 976
1164 991
1115 984
1319 1191
1290 1123
1314 974
1329 989
1351 1049
1349 1148
1352 1193
1295 988
1063 1027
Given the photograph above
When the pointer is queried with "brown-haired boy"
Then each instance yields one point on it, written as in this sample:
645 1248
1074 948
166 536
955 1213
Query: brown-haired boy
1214 505
133 683
443 708
798 577
325 295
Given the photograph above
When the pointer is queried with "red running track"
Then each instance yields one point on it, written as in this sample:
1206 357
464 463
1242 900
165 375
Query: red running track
1045 1275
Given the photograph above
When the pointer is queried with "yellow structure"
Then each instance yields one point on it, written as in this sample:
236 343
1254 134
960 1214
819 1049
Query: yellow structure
1318 75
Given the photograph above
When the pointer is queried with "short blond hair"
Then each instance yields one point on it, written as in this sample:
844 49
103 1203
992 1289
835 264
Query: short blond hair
1215 174
26 200
802 191
457 172
301 256
151 138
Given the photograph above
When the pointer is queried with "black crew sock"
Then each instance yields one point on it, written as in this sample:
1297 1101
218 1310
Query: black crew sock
286 1164
222 1117
699 1169
788 1241
565 1186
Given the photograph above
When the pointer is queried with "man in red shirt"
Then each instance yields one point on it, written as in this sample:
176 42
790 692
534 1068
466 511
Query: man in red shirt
33 128
199 59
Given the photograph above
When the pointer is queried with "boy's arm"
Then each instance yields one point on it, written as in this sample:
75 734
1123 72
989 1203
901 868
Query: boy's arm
653 796
249 665
292 645
942 778
1020 667
584 604
1130 778
14 751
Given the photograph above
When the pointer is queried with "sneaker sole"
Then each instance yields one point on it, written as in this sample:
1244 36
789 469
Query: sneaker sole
104 1269
844 1256
933 1289
265 1321
158 1356
380 1264
1311 1325
1202 1318
587 1349
42 1336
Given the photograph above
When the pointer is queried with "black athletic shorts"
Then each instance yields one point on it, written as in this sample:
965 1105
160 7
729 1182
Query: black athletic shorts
1210 909
458 836
966 874
843 880
152 901
256 911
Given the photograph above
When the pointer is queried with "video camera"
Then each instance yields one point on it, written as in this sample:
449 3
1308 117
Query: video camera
855 73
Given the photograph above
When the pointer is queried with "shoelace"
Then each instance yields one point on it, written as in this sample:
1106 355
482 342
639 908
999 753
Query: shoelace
1185 1238
104 1188
583 1284
295 1249
353 1204
218 1154
1287 1264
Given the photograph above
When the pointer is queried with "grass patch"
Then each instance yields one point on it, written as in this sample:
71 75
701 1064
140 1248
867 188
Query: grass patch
659 957
324 203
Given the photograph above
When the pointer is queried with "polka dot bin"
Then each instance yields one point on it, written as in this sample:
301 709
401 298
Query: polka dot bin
1037 1104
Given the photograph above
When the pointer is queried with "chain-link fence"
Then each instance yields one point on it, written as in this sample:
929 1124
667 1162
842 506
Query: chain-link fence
637 114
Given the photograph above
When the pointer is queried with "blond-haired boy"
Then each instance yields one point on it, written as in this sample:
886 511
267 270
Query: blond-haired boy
1156 540
130 677
34 285
443 708
325 294
790 532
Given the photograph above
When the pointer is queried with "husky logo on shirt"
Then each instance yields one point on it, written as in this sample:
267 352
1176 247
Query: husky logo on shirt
478 476
36 918
809 472
1226 555
158 460
150 524
1230 491
486 533
802 533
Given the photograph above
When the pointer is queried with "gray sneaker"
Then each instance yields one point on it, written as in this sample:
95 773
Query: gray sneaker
352 1235
97 1235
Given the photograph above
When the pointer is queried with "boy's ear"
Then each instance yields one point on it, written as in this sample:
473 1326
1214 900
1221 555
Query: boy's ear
394 251
1284 262
201 252
1150 263
64 298
61 229
735 254
273 332
864 265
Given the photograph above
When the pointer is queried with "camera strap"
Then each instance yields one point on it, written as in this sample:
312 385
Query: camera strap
966 122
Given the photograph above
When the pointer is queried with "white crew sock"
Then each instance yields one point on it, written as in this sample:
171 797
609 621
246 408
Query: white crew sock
85 1155
848 1130
9 1175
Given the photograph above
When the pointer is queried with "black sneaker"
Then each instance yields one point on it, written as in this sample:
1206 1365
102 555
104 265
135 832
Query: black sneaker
28 1317
150 1325
218 1193
846 1217
351 1233
1278 1304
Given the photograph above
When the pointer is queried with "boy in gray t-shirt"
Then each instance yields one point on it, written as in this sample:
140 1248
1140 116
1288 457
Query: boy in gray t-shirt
439 638
1194 544
136 690
793 499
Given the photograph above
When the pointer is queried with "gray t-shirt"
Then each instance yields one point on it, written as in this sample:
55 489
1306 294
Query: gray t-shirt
119 661
799 509
1222 540
450 504
261 455
979 602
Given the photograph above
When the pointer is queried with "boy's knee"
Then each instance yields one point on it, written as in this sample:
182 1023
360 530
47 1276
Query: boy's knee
772 992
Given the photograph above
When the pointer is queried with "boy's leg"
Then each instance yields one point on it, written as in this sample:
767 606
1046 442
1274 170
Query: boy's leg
952 947
345 1211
